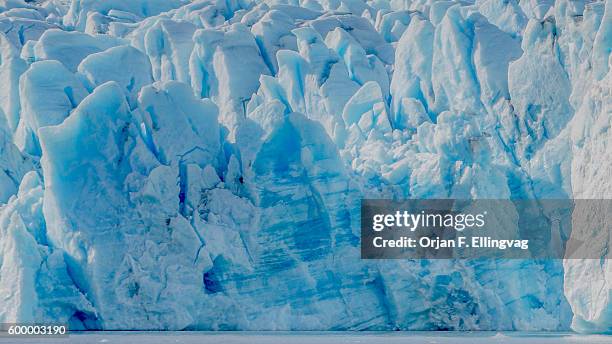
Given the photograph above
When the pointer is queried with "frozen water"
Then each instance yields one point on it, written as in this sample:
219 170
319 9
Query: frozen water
321 337
199 165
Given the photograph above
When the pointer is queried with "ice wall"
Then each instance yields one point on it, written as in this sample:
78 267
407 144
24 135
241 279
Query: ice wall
200 165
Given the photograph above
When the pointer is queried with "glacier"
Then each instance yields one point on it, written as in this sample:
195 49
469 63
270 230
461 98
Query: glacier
199 165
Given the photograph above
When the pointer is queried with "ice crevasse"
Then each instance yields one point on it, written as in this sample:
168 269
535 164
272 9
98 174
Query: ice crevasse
200 164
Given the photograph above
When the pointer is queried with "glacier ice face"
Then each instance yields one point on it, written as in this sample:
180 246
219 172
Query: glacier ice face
124 64
200 164
125 173
40 285
57 83
225 67
70 47
589 135
11 68
13 164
